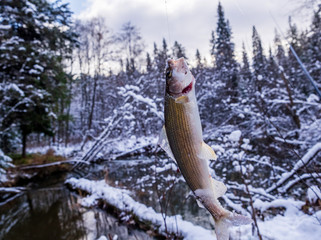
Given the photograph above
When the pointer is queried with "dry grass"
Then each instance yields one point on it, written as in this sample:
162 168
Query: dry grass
36 158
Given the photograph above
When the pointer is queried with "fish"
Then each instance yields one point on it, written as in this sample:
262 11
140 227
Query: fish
182 139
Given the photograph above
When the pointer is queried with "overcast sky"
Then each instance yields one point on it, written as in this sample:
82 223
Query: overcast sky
190 22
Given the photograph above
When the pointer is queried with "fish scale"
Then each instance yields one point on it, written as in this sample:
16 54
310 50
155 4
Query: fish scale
183 144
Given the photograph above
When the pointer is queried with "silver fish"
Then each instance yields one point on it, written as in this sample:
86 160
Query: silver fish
182 139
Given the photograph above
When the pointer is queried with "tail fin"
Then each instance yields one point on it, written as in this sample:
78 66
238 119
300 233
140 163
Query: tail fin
224 223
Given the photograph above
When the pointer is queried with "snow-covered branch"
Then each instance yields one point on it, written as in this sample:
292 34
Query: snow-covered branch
307 158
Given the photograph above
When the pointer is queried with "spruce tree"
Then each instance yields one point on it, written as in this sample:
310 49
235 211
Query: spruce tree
178 50
259 61
314 47
245 74
225 63
296 75
280 56
35 40
198 59
212 47
149 66
161 56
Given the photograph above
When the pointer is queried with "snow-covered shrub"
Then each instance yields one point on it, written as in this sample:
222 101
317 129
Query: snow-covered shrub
5 162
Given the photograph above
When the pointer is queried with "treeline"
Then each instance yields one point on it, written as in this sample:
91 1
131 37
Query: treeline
64 82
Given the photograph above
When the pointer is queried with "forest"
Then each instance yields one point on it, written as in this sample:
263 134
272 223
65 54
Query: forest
95 96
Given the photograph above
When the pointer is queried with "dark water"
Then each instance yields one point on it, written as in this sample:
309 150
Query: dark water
49 211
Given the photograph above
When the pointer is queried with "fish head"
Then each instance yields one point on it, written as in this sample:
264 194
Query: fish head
179 79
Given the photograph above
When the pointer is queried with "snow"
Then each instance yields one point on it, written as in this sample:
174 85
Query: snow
313 194
168 166
302 162
102 238
5 162
313 98
38 67
238 167
218 148
294 224
121 199
290 205
14 87
235 136
307 157
12 189
33 71
4 27
59 150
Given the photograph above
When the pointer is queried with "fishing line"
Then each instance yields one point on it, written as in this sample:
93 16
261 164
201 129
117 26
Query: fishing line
169 35
297 58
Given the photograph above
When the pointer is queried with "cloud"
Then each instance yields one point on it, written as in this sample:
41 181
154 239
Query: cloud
191 22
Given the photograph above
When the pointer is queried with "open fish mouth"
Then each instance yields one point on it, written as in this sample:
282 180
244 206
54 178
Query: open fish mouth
185 90
188 88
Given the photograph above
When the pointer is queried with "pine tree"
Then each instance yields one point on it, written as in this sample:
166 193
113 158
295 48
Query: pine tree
212 47
161 56
245 74
296 75
178 50
280 52
225 63
314 47
198 59
271 71
149 66
35 40
259 62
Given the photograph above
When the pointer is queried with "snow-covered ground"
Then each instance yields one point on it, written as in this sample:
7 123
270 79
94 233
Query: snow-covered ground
293 224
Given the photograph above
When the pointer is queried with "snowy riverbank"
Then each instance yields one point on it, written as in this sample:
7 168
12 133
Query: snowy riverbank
293 224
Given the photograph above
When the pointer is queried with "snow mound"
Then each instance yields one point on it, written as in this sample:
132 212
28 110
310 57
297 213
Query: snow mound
235 136
120 199
313 194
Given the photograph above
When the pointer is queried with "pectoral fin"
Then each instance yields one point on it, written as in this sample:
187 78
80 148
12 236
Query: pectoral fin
181 99
207 152
199 204
219 188
164 144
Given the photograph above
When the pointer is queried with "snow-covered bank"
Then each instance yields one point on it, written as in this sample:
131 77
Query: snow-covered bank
293 224
108 148
121 200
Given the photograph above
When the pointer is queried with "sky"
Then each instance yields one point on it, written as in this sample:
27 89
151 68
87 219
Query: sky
190 22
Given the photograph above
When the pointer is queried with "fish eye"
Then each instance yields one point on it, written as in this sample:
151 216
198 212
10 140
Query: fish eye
168 74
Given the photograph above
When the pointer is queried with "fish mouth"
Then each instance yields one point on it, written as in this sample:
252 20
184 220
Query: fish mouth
185 90
188 88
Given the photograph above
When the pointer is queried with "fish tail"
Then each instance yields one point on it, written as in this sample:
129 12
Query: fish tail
223 224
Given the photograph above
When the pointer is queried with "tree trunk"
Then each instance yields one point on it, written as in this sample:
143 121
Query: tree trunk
292 111
24 143
92 104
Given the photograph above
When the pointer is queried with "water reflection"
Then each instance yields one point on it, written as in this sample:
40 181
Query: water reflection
54 213
49 213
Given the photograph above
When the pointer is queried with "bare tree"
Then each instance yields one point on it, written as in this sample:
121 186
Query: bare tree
132 45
